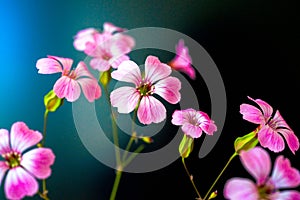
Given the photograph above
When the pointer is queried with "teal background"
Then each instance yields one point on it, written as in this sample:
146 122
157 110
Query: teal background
255 46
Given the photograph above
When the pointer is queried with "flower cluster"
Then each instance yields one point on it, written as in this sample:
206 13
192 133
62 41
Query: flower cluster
109 51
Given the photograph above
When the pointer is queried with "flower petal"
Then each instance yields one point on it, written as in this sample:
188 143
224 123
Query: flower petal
151 110
125 99
168 89
155 70
4 141
257 162
110 28
252 114
38 162
267 110
68 88
19 184
3 168
117 60
284 175
21 137
285 195
270 139
240 188
48 66
100 64
178 118
205 123
82 37
128 71
191 130
65 62
82 71
90 88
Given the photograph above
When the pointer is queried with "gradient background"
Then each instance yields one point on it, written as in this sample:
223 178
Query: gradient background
254 44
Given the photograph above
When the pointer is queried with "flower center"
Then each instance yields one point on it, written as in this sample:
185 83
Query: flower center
146 89
13 159
264 192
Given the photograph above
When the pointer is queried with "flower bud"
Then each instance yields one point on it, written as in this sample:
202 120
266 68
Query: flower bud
186 146
105 77
246 142
52 102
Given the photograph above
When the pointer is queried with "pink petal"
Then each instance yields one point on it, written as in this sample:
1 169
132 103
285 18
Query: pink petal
19 184
48 66
110 28
3 168
90 88
65 62
4 141
68 88
82 71
151 110
258 163
21 137
252 114
128 71
191 130
82 37
265 107
125 99
168 89
270 139
205 123
155 70
116 61
38 162
100 64
240 189
285 195
119 46
284 175
177 118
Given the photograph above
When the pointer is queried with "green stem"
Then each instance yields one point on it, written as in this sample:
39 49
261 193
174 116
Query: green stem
116 184
45 126
191 179
228 162
133 155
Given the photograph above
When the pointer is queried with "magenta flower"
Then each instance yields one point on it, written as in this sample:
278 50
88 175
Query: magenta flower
69 84
258 163
107 49
193 122
182 61
272 128
22 169
155 81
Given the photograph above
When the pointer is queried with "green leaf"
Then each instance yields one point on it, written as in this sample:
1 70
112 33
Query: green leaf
52 102
246 142
186 146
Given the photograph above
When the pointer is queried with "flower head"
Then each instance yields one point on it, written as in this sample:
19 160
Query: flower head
156 81
69 84
273 128
182 61
22 168
258 163
193 122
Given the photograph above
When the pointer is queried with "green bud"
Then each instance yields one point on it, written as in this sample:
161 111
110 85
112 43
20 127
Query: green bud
246 142
52 102
105 77
186 146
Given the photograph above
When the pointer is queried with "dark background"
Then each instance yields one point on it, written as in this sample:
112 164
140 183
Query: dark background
254 44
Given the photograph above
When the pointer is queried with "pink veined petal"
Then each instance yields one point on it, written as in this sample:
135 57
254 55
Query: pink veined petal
3 168
38 162
240 189
82 37
205 123
125 99
252 114
285 195
90 88
270 139
258 163
128 71
151 110
66 62
100 64
265 107
48 66
155 70
91 49
111 28
119 46
177 118
21 137
4 141
68 88
116 61
19 184
168 89
284 175
127 41
82 71
191 130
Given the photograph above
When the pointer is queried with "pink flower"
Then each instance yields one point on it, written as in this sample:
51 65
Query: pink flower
22 169
107 49
272 128
258 163
193 122
69 84
156 81
182 61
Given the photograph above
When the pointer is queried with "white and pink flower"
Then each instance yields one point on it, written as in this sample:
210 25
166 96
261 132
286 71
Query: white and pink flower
70 84
258 163
193 122
272 128
155 81
22 169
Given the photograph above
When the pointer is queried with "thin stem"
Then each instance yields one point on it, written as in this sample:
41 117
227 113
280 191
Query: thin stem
133 155
116 184
191 179
228 162
45 126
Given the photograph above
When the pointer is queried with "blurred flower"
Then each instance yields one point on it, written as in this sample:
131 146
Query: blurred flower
193 122
272 128
107 48
182 61
68 85
22 169
155 81
258 163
